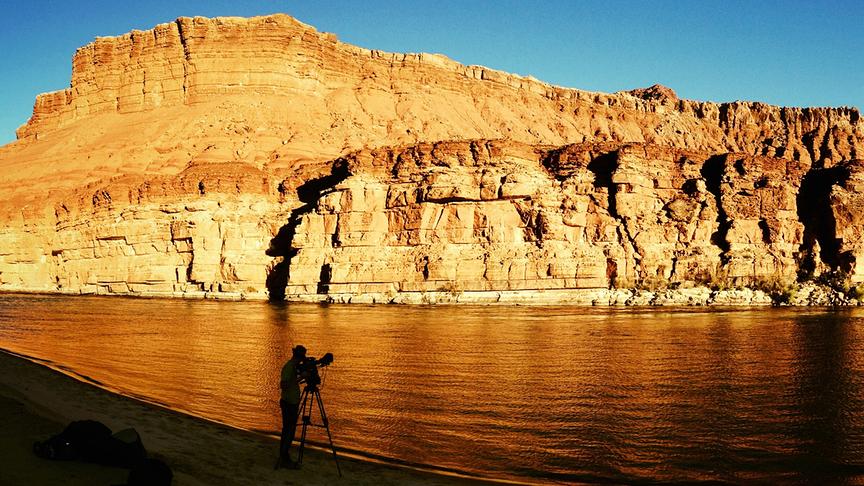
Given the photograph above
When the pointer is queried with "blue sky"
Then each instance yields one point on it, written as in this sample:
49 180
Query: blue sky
794 53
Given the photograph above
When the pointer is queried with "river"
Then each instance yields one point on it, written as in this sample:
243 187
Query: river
537 394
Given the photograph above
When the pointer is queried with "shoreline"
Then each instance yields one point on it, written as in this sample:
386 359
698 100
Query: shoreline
42 400
803 294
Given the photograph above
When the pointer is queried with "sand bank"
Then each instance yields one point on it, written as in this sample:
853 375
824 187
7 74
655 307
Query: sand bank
37 402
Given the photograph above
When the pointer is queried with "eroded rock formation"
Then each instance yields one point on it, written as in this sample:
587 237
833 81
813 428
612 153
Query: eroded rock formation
502 216
256 157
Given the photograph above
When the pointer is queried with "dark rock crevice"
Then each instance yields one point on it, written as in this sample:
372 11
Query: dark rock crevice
282 244
817 216
603 166
712 171
187 57
324 278
310 191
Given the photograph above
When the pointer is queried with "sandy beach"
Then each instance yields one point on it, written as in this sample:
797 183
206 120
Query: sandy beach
37 402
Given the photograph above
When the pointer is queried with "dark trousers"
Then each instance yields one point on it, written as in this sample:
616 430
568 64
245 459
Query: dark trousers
289 426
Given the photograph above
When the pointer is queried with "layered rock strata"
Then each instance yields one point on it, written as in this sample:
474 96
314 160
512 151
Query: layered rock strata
205 230
503 216
271 91
259 157
493 217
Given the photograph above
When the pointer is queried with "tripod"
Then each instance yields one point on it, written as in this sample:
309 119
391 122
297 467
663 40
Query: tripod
306 407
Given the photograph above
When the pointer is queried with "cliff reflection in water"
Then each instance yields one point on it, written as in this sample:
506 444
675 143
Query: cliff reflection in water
565 394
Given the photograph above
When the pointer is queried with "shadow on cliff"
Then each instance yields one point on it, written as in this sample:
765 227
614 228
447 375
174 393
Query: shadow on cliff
282 244
603 166
817 216
712 171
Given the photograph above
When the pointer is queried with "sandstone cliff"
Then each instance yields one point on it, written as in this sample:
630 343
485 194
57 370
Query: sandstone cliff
503 216
259 156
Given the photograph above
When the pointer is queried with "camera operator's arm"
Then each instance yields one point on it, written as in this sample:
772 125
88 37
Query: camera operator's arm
288 378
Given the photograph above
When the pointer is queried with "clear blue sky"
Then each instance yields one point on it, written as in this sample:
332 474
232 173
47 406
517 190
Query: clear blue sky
794 53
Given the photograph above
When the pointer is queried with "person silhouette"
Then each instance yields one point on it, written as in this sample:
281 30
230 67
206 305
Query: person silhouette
289 402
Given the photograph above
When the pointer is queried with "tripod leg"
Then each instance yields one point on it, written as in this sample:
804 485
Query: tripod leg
304 416
327 427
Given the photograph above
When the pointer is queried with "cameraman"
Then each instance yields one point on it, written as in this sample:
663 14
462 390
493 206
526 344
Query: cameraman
290 403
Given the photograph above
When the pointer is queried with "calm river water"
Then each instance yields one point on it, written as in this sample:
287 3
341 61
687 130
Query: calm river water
552 394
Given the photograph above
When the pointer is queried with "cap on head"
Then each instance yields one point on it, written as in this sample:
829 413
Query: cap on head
299 350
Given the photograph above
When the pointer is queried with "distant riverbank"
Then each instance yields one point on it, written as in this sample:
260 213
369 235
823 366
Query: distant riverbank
802 294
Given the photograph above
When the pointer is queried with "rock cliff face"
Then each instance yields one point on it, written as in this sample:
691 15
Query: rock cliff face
256 157
503 216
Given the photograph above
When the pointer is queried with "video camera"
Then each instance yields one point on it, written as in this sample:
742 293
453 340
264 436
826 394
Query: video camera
307 370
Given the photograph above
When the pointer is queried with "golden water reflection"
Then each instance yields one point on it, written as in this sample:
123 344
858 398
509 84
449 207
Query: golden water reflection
558 394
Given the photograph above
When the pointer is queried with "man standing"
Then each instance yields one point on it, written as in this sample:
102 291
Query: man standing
289 403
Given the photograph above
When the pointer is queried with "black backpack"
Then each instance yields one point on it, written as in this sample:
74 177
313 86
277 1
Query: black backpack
91 441
79 440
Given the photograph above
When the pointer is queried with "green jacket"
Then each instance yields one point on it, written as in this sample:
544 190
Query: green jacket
288 382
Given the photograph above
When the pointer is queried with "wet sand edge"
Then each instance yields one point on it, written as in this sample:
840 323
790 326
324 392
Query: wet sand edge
38 402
